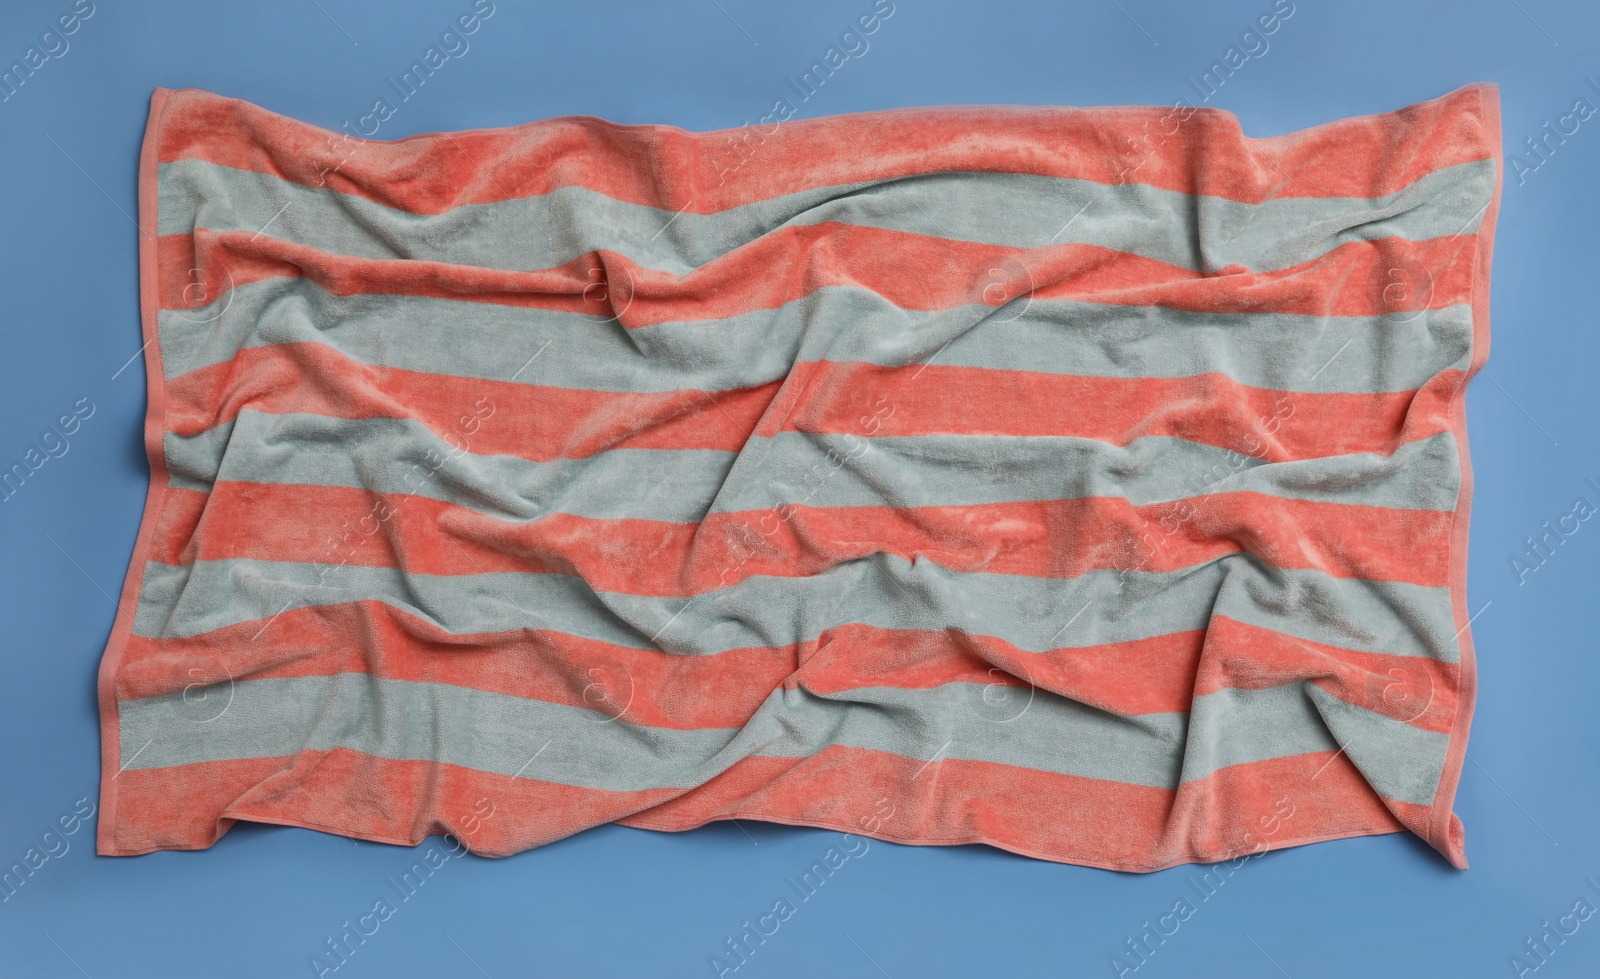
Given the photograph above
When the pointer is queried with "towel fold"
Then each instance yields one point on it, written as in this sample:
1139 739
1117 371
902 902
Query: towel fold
1091 483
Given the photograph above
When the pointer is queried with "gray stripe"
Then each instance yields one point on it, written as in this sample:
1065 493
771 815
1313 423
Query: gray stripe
494 342
408 721
1195 232
957 470
507 735
399 456
1043 731
498 733
1055 734
1377 745
1234 727
684 485
881 590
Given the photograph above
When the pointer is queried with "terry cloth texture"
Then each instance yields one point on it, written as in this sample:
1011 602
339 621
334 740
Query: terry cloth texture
1091 483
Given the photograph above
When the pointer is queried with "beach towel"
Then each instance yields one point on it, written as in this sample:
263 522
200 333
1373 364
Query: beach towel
1089 483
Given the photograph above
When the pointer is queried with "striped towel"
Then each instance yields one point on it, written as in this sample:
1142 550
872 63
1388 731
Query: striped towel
1091 483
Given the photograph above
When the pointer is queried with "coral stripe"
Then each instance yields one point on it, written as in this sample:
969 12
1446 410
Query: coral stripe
660 689
858 791
1238 810
847 398
667 167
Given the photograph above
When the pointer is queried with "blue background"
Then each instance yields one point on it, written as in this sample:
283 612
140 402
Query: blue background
620 902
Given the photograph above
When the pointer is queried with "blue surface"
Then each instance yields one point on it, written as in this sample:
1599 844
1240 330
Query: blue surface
619 902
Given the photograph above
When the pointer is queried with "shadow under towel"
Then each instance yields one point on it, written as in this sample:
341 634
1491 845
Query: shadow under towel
1090 483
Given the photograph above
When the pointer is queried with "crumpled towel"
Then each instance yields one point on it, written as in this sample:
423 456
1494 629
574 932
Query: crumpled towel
1091 483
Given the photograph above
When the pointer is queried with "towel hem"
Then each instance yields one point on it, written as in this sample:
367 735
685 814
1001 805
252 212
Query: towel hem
111 763
1446 833
629 822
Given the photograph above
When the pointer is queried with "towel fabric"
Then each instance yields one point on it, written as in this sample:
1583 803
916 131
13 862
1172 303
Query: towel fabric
1091 483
